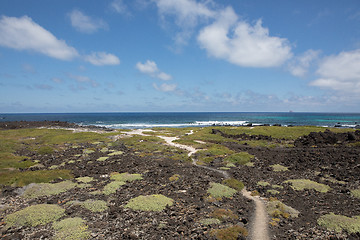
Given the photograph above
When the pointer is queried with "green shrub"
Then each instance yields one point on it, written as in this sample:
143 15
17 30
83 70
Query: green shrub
234 183
218 190
150 203
71 229
101 159
223 214
301 184
47 189
339 223
241 158
35 215
230 233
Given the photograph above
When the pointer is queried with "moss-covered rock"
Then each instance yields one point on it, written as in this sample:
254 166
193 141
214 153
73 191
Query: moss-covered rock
230 233
355 193
218 190
210 221
155 203
277 209
35 215
71 229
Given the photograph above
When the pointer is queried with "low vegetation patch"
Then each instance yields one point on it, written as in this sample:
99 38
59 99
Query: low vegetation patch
355 193
125 177
35 215
155 203
230 233
234 183
223 214
301 184
279 168
340 223
20 179
101 159
112 187
218 190
174 178
71 229
92 205
210 221
46 189
263 184
241 158
84 179
277 209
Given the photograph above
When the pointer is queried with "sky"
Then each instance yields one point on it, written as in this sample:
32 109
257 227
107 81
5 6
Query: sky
179 56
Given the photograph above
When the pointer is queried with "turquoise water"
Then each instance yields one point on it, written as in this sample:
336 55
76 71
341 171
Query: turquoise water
185 119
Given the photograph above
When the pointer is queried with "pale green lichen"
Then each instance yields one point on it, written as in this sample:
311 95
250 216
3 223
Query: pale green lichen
84 179
218 190
88 151
273 191
125 177
101 159
209 221
35 190
279 168
340 223
116 153
155 203
90 204
71 229
35 215
262 183
112 187
355 193
301 184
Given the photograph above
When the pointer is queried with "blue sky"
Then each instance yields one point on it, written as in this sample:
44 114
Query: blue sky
179 55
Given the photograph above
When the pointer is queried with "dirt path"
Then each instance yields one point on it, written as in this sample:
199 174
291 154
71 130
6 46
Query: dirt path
259 229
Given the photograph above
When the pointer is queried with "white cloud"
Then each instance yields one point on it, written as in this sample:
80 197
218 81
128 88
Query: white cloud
119 7
24 34
102 58
165 87
340 72
84 79
187 12
57 80
84 23
150 68
242 44
299 65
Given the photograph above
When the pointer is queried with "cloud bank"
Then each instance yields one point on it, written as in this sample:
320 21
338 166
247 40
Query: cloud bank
340 72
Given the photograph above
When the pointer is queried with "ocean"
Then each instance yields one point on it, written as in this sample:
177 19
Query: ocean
192 119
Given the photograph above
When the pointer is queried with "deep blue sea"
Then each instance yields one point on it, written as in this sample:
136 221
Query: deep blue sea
186 119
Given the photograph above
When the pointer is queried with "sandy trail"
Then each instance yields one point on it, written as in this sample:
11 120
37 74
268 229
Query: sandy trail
259 229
